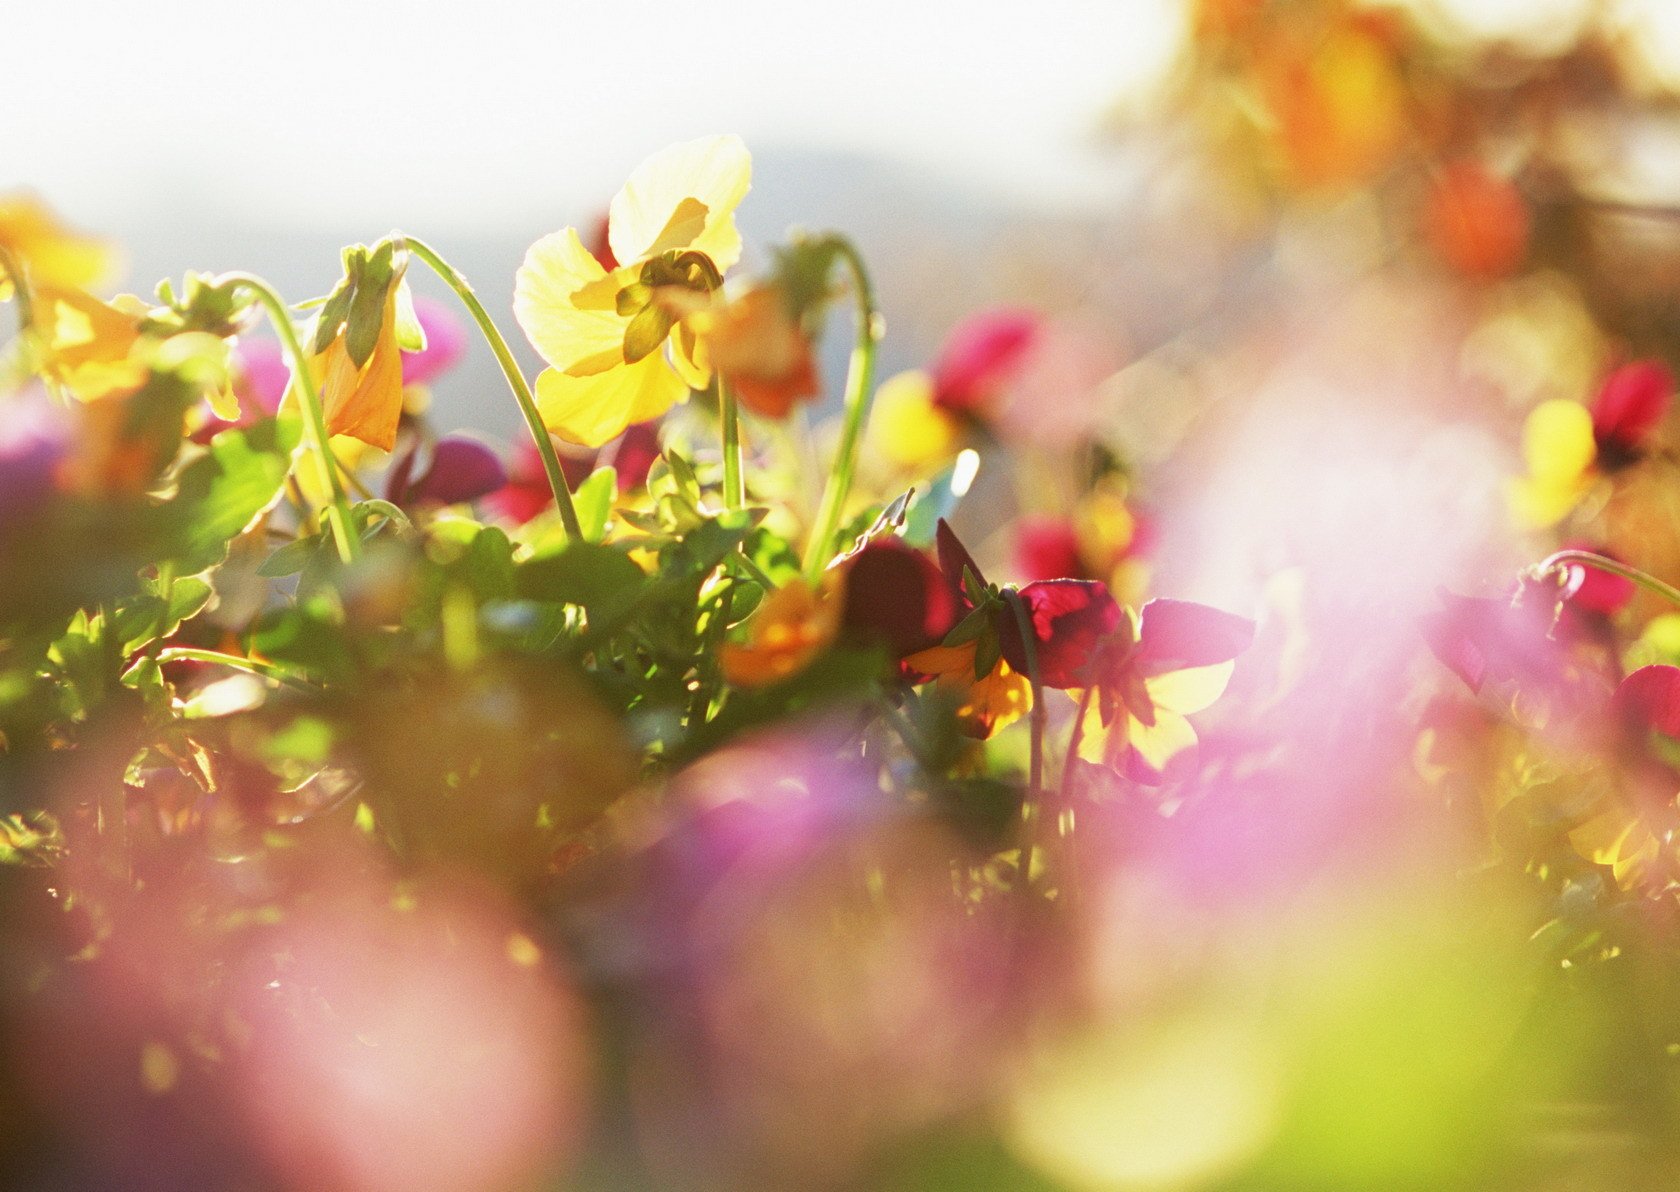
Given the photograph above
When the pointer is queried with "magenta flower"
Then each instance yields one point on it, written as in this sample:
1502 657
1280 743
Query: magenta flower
979 358
1629 407
462 469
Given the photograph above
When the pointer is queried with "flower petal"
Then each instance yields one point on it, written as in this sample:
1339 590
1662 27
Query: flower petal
1631 404
1557 441
567 305
590 410
1649 698
1069 617
1149 748
1174 634
683 197
1188 690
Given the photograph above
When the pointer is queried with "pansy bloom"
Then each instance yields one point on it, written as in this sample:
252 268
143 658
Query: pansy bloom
1174 659
1566 445
50 253
616 342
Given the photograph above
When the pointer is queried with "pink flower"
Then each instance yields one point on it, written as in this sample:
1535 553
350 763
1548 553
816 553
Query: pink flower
446 343
1629 407
980 357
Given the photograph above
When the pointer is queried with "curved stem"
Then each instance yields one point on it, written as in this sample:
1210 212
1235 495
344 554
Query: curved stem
251 666
515 379
344 532
1564 559
729 413
860 380
1033 809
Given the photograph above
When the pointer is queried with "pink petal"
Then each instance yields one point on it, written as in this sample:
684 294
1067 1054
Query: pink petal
979 356
1630 406
1070 617
462 470
1650 698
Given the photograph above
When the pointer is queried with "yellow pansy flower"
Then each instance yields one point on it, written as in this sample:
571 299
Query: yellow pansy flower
86 345
617 348
1558 453
906 426
50 252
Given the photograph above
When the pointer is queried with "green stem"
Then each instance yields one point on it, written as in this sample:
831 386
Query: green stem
1074 738
1032 810
309 394
860 380
251 666
1564 559
729 414
515 379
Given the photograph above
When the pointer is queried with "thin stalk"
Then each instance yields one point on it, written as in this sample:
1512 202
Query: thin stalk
1032 810
251 666
1074 738
729 414
344 532
860 382
515 379
1564 559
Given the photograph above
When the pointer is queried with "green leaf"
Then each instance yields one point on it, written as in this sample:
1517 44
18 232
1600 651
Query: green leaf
593 501
224 491
143 620
370 516
293 557
334 311
977 622
600 578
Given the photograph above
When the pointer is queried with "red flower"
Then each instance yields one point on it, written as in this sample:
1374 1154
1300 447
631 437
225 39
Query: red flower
896 596
980 356
1629 407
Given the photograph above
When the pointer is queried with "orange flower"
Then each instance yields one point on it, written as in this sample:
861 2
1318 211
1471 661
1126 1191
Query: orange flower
1476 221
757 345
985 703
794 625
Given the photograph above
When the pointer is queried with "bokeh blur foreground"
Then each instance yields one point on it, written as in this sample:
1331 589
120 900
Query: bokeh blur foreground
1210 724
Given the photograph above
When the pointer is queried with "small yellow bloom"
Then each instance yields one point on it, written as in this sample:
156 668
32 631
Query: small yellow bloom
618 352
907 428
794 625
1558 453
51 253
86 345
993 701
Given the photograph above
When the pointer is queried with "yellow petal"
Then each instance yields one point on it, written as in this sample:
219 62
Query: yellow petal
683 197
87 343
1538 503
567 305
591 410
1189 690
1557 440
1157 744
906 427
50 252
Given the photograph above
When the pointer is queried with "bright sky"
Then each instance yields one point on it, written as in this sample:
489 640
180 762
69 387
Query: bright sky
334 111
